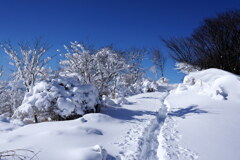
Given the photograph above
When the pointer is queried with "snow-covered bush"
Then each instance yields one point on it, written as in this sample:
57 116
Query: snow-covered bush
58 98
141 86
149 86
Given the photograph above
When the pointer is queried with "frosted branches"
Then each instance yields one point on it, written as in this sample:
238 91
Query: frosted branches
28 59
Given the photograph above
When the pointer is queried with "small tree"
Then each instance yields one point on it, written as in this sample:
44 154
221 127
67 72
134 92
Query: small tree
134 58
109 65
11 96
28 59
78 60
214 44
159 61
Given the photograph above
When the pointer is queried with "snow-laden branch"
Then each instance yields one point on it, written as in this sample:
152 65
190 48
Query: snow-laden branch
29 60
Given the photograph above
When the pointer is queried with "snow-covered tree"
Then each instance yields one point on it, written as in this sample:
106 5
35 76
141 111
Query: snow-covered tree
28 59
134 58
115 73
79 60
98 67
159 61
109 65
11 96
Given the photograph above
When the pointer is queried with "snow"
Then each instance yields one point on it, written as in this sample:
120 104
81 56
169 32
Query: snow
116 133
203 118
214 82
197 120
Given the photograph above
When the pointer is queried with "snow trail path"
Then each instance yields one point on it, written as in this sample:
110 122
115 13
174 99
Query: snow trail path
144 117
150 142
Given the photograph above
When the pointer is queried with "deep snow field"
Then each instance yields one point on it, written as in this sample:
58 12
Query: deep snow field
199 119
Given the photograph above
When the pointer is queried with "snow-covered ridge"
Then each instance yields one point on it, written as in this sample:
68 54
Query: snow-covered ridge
216 83
203 118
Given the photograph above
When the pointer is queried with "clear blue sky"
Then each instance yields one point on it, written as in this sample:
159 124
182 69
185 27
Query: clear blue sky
125 23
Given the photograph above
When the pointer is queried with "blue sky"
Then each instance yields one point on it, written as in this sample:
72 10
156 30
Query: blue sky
125 23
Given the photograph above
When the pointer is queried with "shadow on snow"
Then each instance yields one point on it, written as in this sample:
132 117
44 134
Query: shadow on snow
125 114
183 112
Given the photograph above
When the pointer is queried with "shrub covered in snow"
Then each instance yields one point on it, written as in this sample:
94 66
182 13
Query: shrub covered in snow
58 99
149 85
143 85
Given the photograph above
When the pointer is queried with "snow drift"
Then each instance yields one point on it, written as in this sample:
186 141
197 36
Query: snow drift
203 118
216 83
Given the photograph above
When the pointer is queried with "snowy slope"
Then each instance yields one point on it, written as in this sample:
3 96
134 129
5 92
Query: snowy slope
203 119
124 132
197 120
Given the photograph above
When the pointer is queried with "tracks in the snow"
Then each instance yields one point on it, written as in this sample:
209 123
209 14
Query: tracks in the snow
141 140
155 137
149 143
169 137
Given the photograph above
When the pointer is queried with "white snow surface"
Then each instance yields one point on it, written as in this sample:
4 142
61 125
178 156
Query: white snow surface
199 120
203 118
118 133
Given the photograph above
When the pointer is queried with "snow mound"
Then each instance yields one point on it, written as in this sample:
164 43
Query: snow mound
58 99
96 152
108 102
122 101
216 83
96 117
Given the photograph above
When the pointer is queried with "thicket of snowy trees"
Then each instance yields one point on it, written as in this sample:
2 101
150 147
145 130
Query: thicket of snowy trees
86 79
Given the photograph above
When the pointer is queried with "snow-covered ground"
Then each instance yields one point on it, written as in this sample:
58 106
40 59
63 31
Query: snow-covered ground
203 119
124 132
197 120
